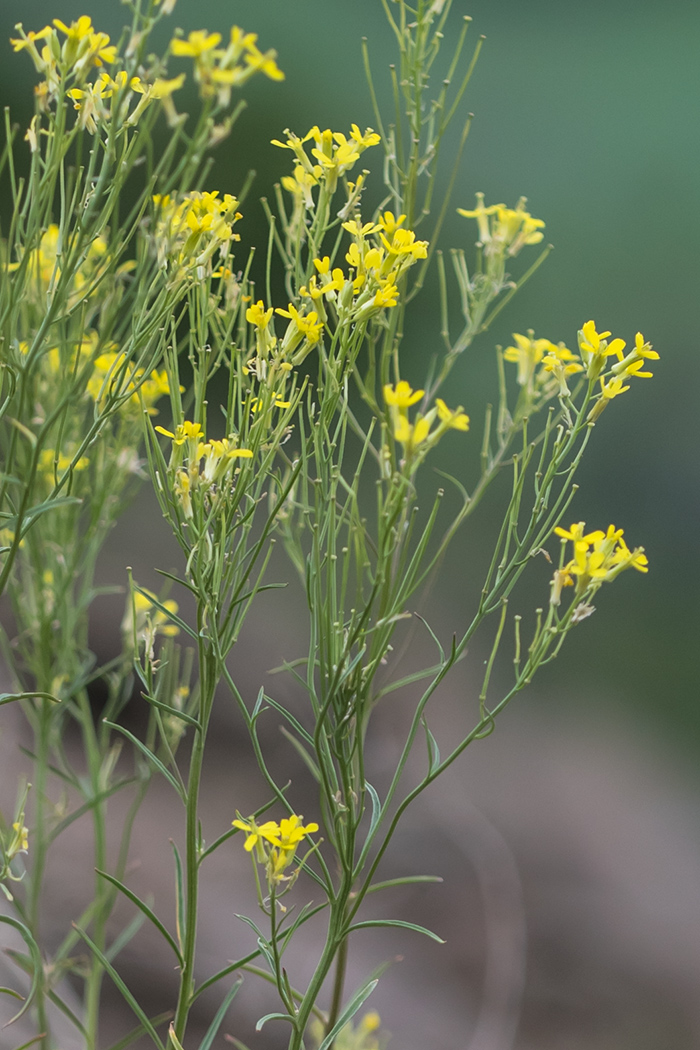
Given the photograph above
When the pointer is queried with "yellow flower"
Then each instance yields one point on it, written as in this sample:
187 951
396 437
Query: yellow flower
198 43
30 38
258 316
632 364
595 348
184 432
386 297
402 396
303 326
527 354
404 242
257 833
455 420
504 229
389 222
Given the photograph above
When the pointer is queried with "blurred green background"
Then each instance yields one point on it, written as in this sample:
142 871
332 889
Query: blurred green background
593 112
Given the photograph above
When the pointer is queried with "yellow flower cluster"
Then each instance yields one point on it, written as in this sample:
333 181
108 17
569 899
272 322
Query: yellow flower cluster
275 844
90 99
504 230
332 155
82 50
556 361
217 70
274 359
55 464
418 435
44 271
379 254
111 371
189 231
595 351
198 464
599 557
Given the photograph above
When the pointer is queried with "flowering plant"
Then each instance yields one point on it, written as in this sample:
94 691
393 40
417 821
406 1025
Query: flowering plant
276 417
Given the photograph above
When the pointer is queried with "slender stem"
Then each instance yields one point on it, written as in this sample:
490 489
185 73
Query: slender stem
337 1000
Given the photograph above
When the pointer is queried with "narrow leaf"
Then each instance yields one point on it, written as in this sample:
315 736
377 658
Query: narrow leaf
348 1013
376 810
220 1014
179 895
303 754
274 1017
147 1025
34 961
143 907
173 711
394 922
407 880
153 759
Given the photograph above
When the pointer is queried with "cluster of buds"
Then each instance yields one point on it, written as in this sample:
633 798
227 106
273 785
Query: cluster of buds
599 557
189 231
200 466
332 155
504 231
418 437
13 841
274 845
217 70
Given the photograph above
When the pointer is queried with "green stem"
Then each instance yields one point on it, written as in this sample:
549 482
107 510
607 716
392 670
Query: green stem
337 1000
208 678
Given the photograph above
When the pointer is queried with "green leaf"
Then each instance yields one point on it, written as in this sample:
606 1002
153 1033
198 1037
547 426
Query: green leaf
128 996
408 879
34 961
167 612
179 787
12 992
433 749
8 698
172 711
67 1012
143 907
274 1017
348 1013
393 922
179 895
376 810
239 964
220 1014
303 754
32 1042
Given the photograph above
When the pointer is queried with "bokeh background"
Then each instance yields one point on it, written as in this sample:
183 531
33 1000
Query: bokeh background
569 840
